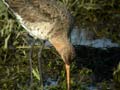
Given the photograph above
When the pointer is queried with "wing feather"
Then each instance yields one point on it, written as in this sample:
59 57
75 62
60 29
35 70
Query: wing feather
39 10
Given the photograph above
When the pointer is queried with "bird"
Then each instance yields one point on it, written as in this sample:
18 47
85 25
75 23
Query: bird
47 20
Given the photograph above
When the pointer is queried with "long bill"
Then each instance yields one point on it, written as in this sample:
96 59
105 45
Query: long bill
67 67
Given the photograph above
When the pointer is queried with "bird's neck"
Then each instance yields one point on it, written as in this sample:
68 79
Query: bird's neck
64 48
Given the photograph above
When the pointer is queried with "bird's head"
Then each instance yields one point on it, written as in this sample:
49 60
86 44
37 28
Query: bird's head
64 48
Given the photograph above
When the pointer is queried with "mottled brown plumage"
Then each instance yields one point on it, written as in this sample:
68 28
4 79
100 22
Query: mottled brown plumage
46 19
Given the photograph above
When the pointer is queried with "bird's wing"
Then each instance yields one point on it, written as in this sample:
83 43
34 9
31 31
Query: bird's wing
36 10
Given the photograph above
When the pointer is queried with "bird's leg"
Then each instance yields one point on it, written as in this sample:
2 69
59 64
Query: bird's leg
30 62
67 66
40 64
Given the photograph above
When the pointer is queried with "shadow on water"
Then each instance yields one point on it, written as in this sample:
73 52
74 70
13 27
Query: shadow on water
101 61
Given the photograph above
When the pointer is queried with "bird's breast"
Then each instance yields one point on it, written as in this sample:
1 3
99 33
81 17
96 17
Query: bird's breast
39 30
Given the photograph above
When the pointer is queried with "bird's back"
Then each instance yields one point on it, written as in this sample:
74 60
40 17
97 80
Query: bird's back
41 18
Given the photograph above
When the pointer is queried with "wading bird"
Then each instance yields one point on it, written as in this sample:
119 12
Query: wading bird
47 20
